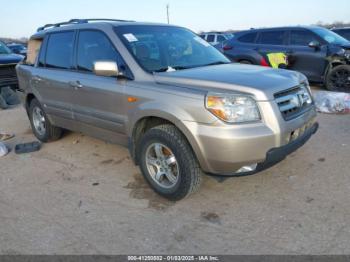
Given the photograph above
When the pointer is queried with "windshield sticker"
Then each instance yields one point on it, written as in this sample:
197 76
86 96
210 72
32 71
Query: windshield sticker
131 37
201 41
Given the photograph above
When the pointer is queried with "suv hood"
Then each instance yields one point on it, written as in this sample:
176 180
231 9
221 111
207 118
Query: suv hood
6 59
262 82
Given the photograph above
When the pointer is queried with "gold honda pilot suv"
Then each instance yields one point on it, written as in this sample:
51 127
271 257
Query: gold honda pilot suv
176 102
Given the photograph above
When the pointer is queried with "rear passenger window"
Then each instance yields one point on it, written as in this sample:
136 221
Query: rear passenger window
301 37
59 52
272 38
94 46
210 38
248 38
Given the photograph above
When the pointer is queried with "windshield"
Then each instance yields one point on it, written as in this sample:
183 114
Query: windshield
4 49
167 48
330 37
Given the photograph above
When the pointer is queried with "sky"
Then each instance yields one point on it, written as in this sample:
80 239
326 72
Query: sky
21 18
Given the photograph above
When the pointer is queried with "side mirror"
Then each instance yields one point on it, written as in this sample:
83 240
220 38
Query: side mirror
314 44
106 68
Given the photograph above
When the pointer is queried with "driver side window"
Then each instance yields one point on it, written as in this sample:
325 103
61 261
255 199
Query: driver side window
302 37
95 46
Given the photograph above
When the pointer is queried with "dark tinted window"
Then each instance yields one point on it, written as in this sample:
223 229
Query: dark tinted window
272 38
94 46
248 38
343 33
202 36
210 38
221 38
301 37
59 52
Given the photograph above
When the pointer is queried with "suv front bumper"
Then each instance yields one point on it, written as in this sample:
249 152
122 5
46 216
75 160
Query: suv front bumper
227 149
276 155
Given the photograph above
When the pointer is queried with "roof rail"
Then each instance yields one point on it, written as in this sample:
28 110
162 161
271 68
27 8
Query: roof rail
80 21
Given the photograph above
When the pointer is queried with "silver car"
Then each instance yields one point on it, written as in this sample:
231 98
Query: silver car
176 102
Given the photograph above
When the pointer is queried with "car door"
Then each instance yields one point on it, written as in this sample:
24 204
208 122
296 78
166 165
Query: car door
310 61
51 76
98 100
272 41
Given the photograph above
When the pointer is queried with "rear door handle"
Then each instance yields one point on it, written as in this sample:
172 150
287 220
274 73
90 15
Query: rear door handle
75 84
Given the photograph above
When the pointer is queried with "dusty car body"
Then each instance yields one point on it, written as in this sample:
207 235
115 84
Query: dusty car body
190 114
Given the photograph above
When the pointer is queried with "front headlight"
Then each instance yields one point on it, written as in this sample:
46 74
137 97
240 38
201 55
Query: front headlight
232 108
347 55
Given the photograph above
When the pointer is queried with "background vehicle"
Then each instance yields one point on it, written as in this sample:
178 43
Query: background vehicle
320 54
178 103
215 38
17 48
344 32
8 61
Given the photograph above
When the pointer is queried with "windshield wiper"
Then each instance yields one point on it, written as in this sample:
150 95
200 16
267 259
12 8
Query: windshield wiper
170 68
216 63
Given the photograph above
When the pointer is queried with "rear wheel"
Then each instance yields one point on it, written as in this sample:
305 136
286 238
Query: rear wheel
41 126
168 163
338 79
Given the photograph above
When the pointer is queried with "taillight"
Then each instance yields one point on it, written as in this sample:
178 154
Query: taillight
227 47
263 62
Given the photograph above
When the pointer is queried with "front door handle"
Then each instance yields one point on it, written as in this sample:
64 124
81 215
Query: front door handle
75 84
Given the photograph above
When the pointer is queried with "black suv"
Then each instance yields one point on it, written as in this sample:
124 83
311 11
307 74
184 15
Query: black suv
8 62
320 54
344 32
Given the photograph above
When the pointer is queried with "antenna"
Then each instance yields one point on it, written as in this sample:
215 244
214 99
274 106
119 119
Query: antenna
167 13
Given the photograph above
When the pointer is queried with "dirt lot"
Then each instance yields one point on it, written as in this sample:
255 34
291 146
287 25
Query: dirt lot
82 196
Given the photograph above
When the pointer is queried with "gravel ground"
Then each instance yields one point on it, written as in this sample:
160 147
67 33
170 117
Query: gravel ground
80 195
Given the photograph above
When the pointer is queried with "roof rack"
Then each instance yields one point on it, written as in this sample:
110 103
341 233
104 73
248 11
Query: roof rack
80 21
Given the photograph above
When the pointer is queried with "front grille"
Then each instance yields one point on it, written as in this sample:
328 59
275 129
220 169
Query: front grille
293 102
8 76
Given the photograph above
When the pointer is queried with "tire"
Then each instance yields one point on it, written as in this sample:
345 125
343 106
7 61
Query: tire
50 132
189 173
338 79
246 62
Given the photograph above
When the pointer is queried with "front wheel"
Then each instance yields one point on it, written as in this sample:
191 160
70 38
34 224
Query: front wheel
338 79
168 163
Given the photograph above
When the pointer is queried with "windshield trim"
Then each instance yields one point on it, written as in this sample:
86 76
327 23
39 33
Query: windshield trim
119 34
